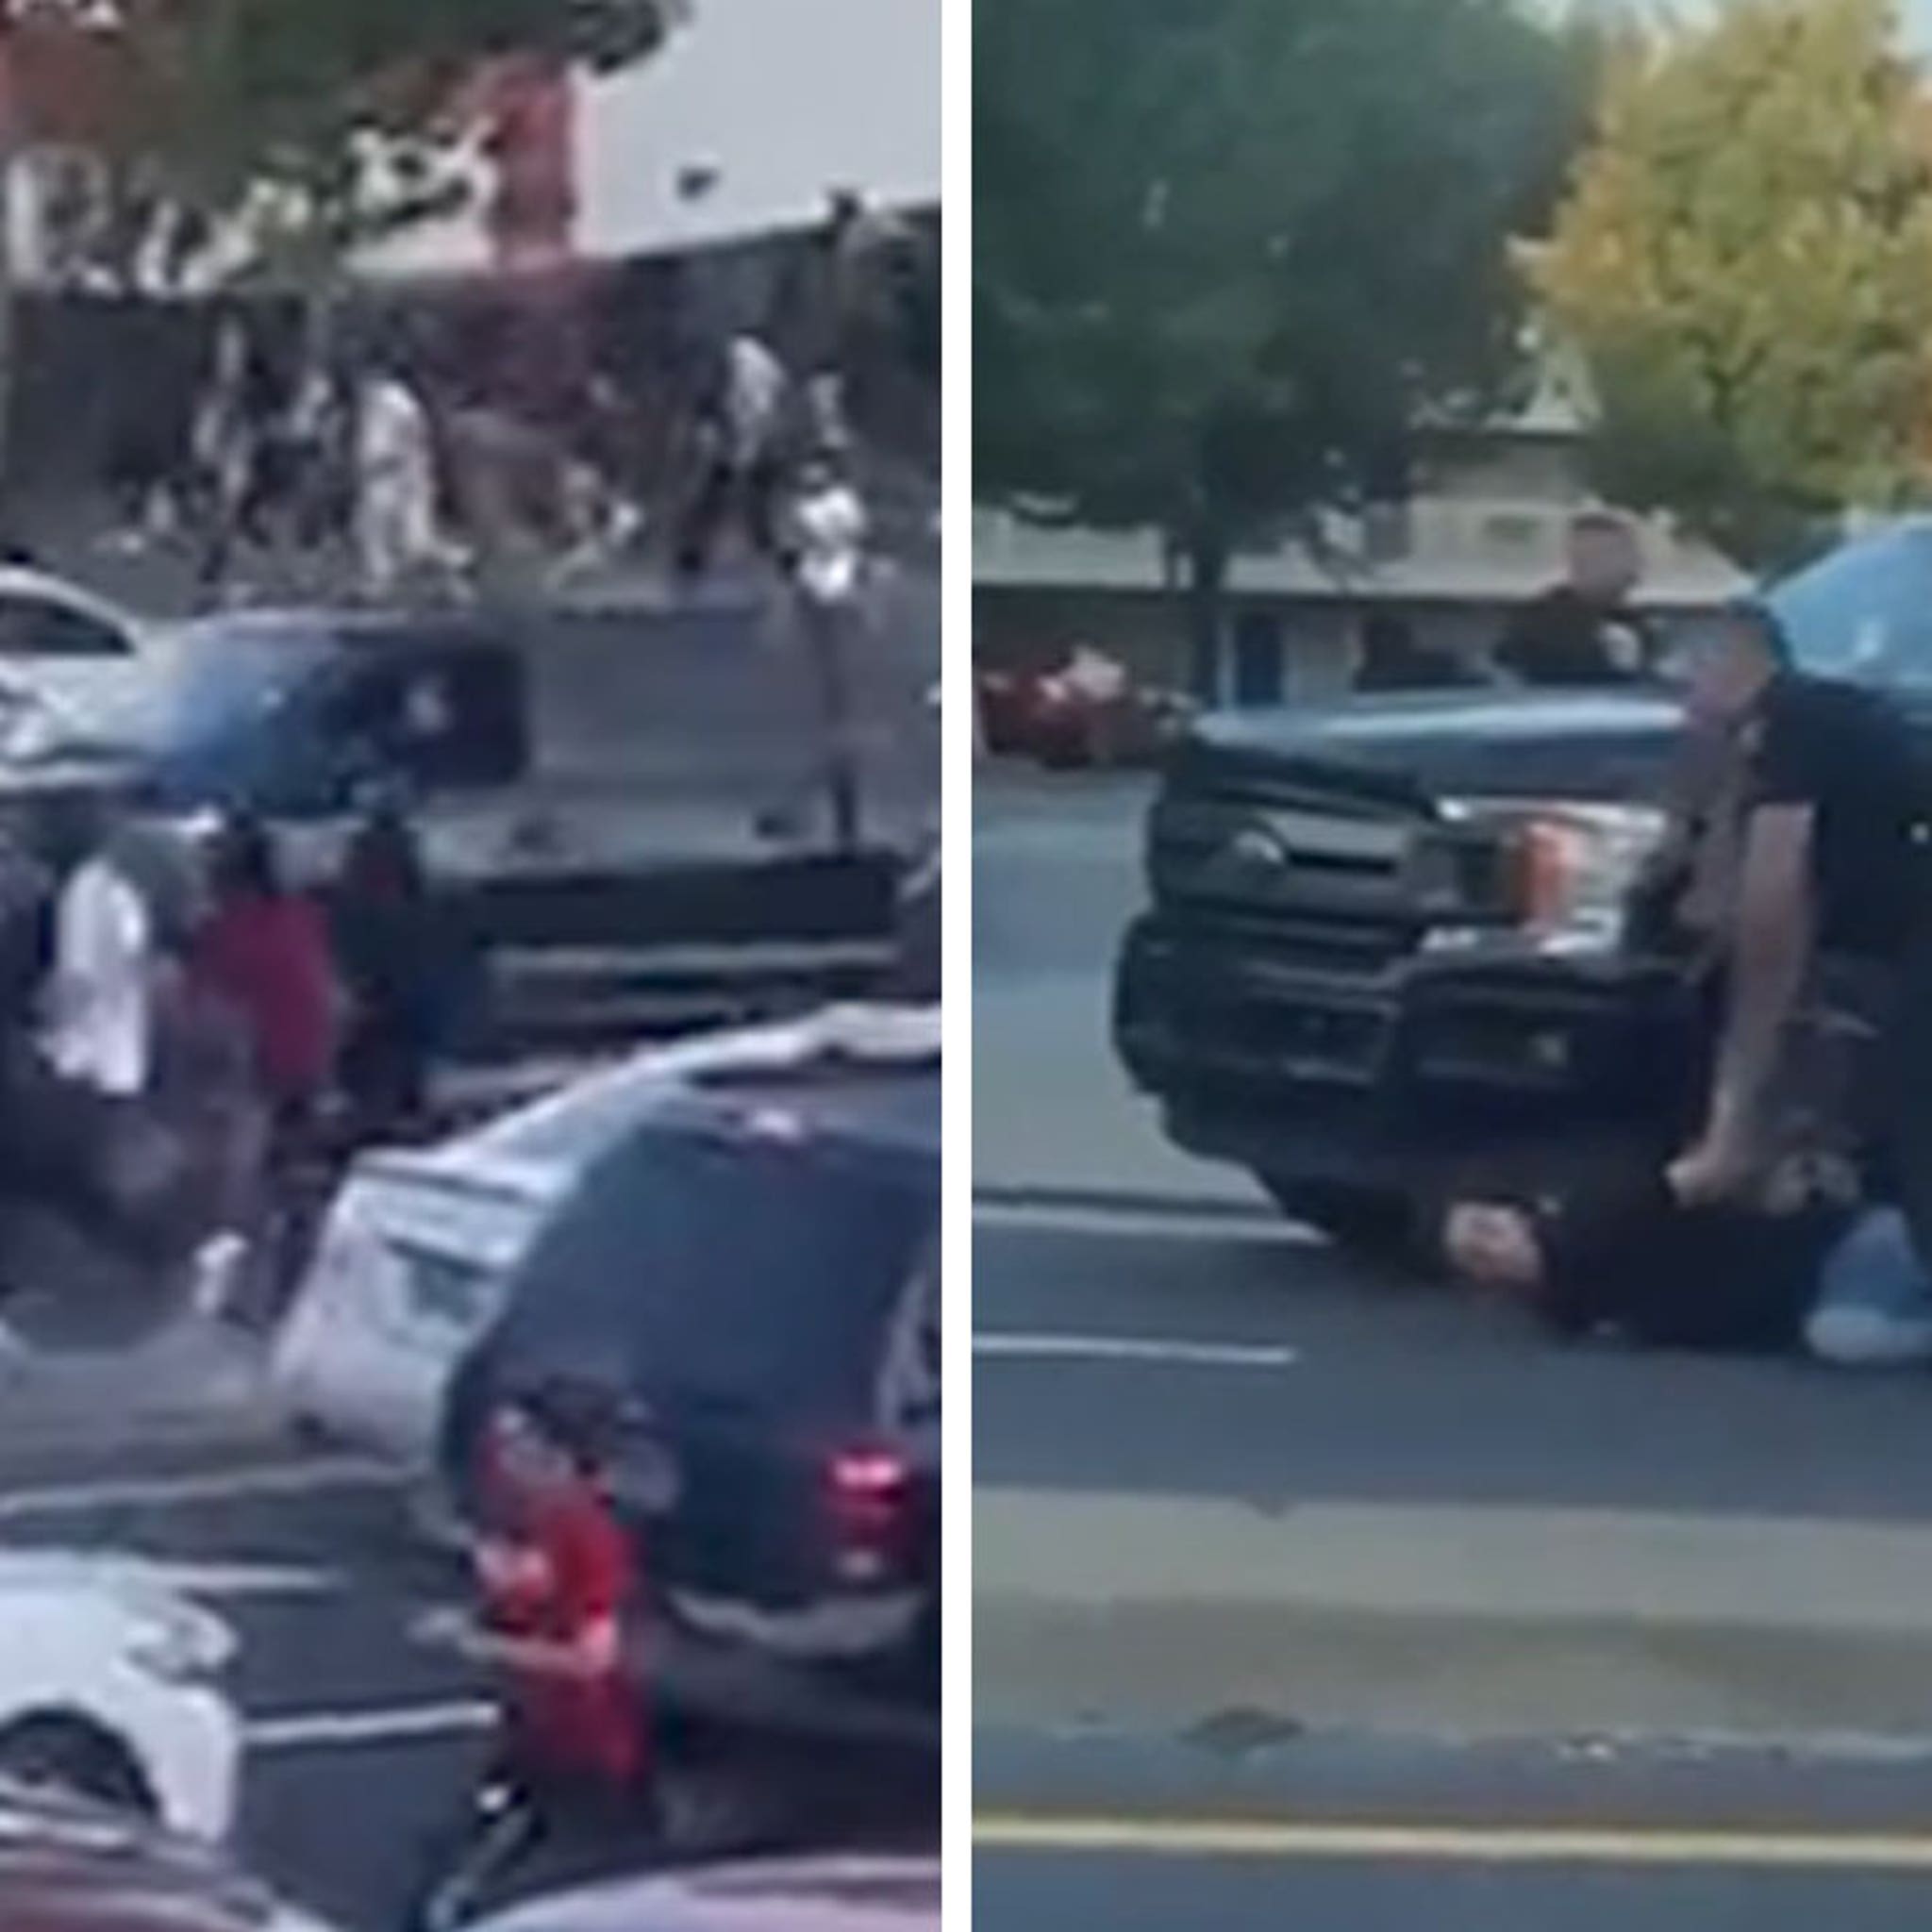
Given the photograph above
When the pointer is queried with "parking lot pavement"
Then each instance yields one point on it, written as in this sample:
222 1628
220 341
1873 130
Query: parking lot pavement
1055 878
359 1741
1219 1467
362 1744
190 1394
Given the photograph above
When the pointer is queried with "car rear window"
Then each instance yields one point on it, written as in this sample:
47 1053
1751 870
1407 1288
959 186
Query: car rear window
740 1270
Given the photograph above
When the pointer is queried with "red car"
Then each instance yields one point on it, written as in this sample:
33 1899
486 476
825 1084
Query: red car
834 1892
68 1867
1086 710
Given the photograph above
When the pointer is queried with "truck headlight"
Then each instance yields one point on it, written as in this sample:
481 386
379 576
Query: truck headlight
1570 866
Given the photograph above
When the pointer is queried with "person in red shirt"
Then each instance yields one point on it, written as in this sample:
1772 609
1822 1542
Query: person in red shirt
573 1793
264 951
261 964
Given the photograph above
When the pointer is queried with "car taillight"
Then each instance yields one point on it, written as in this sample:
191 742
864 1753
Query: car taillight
869 1494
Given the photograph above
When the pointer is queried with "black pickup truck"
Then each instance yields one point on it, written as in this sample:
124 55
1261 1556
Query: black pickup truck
1387 954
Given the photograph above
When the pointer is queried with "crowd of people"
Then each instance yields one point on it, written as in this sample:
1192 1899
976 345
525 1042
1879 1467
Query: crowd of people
416 480
421 452
183 1046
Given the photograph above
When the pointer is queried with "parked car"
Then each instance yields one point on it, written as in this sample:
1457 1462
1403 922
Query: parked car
413 1264
1388 955
109 1687
1087 710
851 1893
68 1866
585 784
63 652
750 1275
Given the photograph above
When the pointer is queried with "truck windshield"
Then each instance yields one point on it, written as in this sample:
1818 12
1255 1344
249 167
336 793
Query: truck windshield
1864 613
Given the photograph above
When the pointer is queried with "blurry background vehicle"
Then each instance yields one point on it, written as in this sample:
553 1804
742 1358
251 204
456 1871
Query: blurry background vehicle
109 1689
750 1277
856 1893
67 1866
63 651
592 789
412 1265
1085 710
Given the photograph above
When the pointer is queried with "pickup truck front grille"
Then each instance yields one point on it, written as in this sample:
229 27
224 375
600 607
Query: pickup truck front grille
1329 881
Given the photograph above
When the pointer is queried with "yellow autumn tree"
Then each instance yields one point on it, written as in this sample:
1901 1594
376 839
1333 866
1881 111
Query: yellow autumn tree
1744 263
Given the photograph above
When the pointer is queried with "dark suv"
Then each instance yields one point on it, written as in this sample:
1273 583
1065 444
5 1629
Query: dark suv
1390 952
753 1277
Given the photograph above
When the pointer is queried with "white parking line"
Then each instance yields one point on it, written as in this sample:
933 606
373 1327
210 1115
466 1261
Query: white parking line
236 1581
1146 1349
306 1478
324 1730
1178 1223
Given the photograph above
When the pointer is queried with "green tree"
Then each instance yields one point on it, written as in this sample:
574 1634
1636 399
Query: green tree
1743 262
1228 255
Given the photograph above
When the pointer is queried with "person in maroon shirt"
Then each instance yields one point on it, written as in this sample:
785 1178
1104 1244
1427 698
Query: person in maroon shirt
573 1793
265 952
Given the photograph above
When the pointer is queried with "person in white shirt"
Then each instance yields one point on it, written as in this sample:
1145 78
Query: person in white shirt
827 552
829 528
101 991
395 483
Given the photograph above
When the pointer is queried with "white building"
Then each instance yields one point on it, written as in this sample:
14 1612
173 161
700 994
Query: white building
1484 535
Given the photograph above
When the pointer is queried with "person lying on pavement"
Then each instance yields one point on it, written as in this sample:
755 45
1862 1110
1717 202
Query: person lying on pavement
1801 1266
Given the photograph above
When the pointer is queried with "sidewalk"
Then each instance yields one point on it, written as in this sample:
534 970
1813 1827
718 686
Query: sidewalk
1472 1620
192 1385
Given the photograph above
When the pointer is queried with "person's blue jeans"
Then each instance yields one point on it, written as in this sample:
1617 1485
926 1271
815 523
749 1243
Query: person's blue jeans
1874 1303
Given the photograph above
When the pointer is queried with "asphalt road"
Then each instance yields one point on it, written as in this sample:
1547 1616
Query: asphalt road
1240 1830
362 1744
1041 1891
1218 1358
1242 1500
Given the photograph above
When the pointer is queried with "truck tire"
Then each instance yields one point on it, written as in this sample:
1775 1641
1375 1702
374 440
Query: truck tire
1382 1228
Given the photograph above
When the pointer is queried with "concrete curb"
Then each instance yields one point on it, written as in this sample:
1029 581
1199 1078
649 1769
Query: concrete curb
1478 1622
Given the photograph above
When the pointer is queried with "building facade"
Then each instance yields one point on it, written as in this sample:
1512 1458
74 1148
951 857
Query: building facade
1484 533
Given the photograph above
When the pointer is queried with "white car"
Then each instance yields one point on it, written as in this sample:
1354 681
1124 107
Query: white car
109 1689
849 1892
66 658
412 1262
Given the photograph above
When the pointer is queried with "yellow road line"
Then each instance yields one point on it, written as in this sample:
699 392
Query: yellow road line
1451 1844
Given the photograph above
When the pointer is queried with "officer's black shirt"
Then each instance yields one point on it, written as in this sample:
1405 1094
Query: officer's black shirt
1564 638
1848 754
